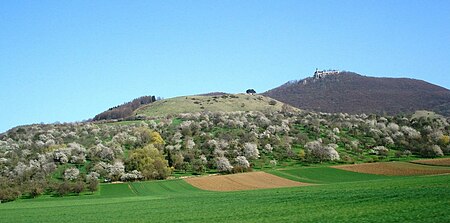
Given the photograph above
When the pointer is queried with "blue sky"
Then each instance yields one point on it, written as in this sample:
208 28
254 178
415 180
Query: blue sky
69 60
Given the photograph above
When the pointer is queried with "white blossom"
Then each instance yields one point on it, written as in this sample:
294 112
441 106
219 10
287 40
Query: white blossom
251 151
223 165
268 148
71 173
241 161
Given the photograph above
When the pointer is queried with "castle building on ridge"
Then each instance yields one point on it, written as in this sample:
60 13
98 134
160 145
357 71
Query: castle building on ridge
322 73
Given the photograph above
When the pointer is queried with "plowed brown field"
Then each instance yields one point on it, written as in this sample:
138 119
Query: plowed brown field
434 162
394 169
242 181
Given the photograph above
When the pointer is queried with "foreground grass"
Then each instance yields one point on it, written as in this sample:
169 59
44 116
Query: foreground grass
388 199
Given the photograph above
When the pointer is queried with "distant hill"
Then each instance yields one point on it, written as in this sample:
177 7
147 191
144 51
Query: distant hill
125 110
353 93
216 102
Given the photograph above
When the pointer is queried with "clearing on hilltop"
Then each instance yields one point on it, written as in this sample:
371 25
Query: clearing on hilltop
212 103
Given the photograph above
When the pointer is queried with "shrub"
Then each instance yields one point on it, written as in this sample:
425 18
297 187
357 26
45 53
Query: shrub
431 151
272 102
60 156
63 189
242 162
36 188
102 152
407 153
268 148
251 151
302 155
410 132
198 166
316 151
9 194
156 140
223 165
116 170
71 173
149 161
446 150
398 154
444 140
78 187
380 150
189 144
133 176
331 152
92 175
92 184
273 163
185 166
78 153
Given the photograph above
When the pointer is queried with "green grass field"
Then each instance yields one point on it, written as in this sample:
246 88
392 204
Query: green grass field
341 196
325 175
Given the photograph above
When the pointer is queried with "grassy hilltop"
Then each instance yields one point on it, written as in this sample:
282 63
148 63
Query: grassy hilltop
214 103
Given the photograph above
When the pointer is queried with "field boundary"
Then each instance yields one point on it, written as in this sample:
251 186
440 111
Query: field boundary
439 162
395 168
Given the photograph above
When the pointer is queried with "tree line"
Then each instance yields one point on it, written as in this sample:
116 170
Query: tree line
126 109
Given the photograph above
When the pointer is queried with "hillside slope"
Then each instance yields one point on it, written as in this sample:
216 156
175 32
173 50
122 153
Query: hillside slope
353 93
125 110
213 103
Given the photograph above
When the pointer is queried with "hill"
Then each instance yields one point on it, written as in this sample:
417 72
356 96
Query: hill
213 103
353 93
57 158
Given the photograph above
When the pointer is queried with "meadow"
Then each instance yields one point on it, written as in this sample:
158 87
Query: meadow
199 103
338 196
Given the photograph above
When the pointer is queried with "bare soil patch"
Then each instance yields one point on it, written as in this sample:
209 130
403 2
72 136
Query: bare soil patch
394 169
434 162
242 181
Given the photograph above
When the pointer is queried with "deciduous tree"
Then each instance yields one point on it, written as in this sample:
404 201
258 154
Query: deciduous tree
150 161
